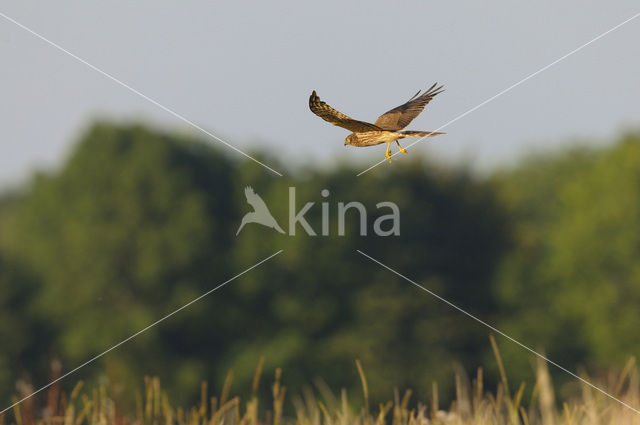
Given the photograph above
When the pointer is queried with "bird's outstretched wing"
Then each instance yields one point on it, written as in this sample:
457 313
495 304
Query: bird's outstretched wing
400 116
254 200
335 117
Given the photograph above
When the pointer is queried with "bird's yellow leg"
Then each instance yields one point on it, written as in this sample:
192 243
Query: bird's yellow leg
388 153
400 147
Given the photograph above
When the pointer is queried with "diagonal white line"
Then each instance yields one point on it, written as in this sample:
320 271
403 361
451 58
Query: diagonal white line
131 89
499 332
140 331
544 68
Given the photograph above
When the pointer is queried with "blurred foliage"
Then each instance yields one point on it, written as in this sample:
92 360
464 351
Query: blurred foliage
571 283
137 223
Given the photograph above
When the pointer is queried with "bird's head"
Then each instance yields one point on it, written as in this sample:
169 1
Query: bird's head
351 139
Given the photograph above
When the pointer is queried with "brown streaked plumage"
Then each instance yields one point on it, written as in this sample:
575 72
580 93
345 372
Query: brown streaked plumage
388 127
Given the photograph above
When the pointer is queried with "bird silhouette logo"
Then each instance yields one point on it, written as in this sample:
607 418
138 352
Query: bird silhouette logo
260 214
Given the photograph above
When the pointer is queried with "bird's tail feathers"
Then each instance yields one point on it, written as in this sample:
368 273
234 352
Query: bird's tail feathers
409 133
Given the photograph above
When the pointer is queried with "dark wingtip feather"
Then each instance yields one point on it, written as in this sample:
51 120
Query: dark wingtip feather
433 91
313 99
415 95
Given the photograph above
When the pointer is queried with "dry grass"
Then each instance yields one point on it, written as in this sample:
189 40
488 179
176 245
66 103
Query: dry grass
472 405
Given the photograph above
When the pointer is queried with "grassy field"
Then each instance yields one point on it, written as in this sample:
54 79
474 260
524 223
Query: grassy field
472 405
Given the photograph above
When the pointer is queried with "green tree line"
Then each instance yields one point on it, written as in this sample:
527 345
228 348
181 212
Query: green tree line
138 222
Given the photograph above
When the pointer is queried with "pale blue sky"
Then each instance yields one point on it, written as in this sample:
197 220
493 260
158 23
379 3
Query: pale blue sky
245 72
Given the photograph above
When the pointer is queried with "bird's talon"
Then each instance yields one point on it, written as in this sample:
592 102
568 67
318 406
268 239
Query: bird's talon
402 149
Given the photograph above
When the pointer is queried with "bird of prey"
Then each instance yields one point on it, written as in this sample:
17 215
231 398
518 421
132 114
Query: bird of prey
388 127
260 214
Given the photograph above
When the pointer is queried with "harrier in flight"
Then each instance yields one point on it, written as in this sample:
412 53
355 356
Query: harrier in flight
388 127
